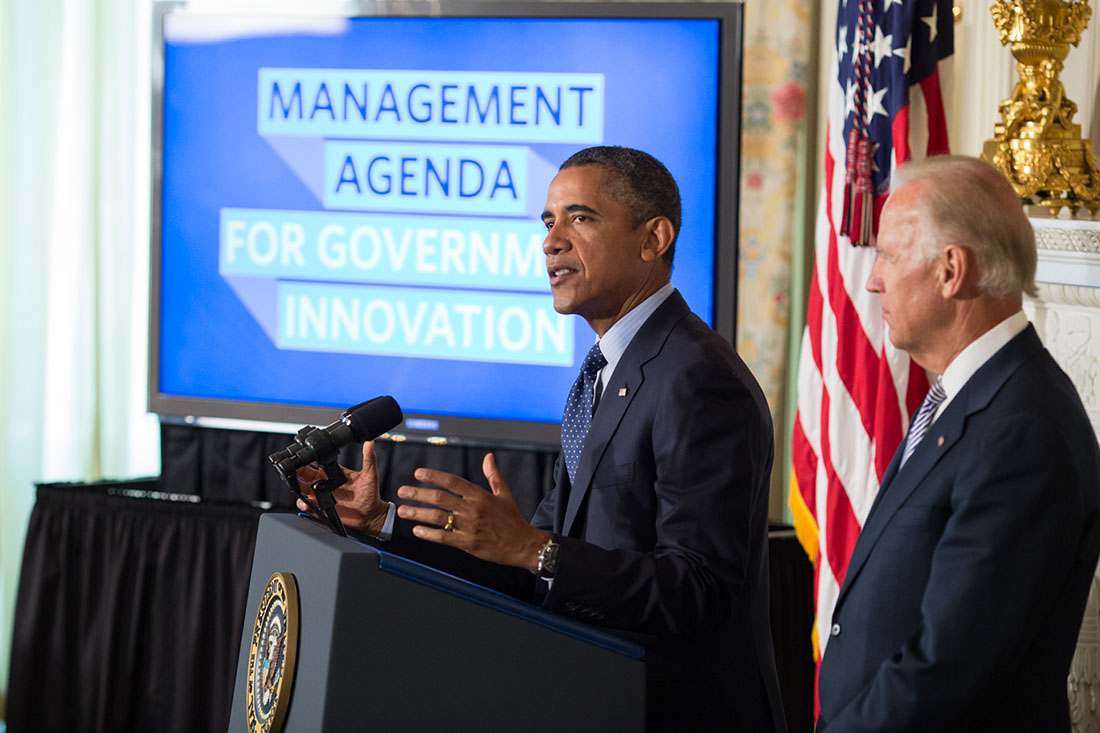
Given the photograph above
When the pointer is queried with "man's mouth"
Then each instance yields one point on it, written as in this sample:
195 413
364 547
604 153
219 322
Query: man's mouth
559 273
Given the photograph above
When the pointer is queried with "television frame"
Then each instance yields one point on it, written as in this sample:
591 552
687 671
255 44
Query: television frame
456 430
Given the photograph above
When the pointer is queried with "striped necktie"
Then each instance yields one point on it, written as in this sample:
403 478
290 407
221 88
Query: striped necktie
936 396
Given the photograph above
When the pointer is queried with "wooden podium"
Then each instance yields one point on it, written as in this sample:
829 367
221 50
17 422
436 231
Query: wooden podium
387 644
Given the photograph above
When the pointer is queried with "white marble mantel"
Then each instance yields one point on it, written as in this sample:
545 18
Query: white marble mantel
1067 312
1067 316
1069 251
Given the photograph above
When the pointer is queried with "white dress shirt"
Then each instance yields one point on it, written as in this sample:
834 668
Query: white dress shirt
980 350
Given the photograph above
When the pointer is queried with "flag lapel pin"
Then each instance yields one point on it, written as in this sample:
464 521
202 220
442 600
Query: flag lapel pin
622 392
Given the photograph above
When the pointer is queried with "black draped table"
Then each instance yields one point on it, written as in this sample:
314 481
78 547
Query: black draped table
131 597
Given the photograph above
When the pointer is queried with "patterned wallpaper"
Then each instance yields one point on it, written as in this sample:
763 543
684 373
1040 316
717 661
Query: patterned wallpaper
777 72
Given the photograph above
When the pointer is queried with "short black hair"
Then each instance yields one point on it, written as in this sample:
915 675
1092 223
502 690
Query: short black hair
641 183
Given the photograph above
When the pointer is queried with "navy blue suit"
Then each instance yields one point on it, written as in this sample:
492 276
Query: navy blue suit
664 535
965 591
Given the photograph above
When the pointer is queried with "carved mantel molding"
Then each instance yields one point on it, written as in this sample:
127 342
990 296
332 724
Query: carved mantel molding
1067 312
1069 254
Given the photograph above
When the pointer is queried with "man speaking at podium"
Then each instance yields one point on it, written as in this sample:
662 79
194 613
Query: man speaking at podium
657 523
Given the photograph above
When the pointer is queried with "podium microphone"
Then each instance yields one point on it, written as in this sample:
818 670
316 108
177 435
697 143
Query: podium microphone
366 421
363 422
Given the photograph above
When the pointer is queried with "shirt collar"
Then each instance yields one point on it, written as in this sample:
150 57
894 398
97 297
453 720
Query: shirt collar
980 350
618 337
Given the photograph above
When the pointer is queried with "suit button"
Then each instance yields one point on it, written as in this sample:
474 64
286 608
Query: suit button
835 631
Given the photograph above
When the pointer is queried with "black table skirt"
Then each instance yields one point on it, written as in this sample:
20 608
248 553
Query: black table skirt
131 597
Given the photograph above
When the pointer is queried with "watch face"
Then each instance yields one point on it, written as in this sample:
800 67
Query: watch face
272 655
548 559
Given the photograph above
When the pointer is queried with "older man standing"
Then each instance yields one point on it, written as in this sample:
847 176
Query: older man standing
965 591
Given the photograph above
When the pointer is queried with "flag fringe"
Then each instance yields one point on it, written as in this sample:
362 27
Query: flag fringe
817 651
805 526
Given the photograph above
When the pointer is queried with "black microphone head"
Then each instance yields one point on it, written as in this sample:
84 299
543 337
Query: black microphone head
370 419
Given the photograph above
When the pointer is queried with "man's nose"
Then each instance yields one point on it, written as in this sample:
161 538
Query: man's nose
874 282
554 242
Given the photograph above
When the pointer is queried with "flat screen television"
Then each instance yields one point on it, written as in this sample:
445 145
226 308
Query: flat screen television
347 206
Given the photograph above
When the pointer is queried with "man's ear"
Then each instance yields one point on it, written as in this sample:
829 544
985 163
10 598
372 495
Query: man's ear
659 236
956 271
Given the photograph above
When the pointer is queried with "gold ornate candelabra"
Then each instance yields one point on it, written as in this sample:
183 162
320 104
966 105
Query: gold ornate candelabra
1036 144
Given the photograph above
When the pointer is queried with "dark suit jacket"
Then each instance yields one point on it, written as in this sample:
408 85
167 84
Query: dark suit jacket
664 536
964 594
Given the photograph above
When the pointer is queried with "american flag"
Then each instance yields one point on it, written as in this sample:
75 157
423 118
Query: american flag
855 390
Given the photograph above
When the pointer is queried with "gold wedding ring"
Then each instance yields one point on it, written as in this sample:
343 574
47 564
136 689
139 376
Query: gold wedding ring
450 525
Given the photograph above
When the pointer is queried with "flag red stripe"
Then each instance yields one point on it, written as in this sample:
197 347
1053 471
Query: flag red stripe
899 133
937 120
840 519
880 201
814 308
888 419
830 171
804 463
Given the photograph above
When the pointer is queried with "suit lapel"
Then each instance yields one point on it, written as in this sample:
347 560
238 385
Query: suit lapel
617 396
605 422
899 483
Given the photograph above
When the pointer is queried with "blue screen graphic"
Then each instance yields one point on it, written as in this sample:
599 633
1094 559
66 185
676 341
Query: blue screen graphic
350 207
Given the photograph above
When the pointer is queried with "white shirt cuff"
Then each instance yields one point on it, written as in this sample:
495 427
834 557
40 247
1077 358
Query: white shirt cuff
387 528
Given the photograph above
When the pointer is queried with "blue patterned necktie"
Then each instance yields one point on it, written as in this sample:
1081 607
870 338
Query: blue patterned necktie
936 395
578 410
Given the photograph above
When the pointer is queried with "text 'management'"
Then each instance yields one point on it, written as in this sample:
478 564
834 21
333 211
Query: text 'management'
429 243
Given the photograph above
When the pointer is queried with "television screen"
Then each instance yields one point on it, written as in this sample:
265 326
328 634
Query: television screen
347 207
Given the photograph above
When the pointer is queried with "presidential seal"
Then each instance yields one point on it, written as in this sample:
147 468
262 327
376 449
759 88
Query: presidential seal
274 651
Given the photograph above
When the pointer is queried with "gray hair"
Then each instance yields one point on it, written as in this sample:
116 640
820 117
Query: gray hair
967 201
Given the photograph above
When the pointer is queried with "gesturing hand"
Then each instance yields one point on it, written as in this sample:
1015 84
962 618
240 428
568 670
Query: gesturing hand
357 502
486 525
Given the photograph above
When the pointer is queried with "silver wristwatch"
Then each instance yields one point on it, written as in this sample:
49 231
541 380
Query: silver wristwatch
548 559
